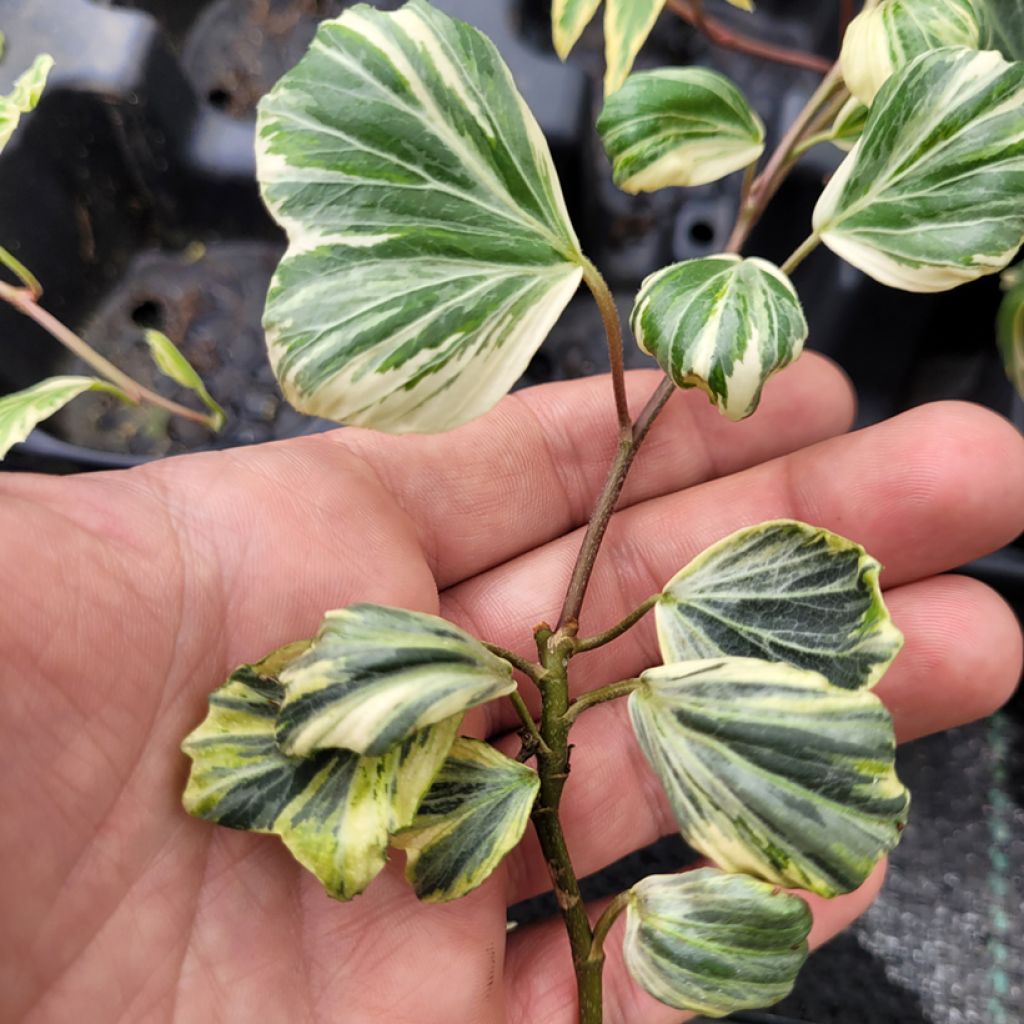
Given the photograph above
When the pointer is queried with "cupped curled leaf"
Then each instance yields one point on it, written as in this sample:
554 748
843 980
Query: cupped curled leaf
335 810
678 126
722 324
22 411
782 591
714 943
884 38
473 815
430 251
773 771
28 89
375 675
930 196
1010 325
627 24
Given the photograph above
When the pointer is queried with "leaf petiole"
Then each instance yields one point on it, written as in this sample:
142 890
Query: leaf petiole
601 696
600 639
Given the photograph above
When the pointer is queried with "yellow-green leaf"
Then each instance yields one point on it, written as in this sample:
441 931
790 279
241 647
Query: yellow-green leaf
473 815
24 97
334 811
783 591
375 675
568 20
714 943
773 771
171 362
678 126
21 411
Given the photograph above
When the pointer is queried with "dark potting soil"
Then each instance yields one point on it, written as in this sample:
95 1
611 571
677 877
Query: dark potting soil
208 301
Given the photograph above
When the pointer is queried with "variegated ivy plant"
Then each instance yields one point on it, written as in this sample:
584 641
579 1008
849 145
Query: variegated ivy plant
430 252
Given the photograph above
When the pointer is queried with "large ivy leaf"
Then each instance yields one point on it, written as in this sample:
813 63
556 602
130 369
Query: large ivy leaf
722 324
678 126
24 97
376 675
334 811
783 591
1010 325
473 815
21 411
930 196
714 943
627 24
886 37
773 771
430 251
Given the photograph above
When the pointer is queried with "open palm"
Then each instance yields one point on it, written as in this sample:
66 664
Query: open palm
129 596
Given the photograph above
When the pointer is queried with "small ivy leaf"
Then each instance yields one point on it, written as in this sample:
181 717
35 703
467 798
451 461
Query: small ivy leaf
627 24
849 124
743 5
24 97
430 251
475 813
930 197
334 811
1003 26
22 411
173 364
722 324
714 943
783 591
678 126
883 39
1010 324
375 675
772 770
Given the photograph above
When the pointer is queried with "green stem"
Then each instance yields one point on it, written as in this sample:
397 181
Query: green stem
613 330
553 769
600 639
802 251
24 302
529 725
605 922
21 272
601 696
530 669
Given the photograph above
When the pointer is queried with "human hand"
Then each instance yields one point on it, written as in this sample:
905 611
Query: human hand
129 596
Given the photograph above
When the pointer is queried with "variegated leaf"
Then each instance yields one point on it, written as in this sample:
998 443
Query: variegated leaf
773 771
627 24
743 5
473 815
335 810
1010 326
882 39
173 364
22 411
678 126
430 251
930 196
568 20
714 943
375 675
783 591
849 124
1003 26
722 324
26 94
